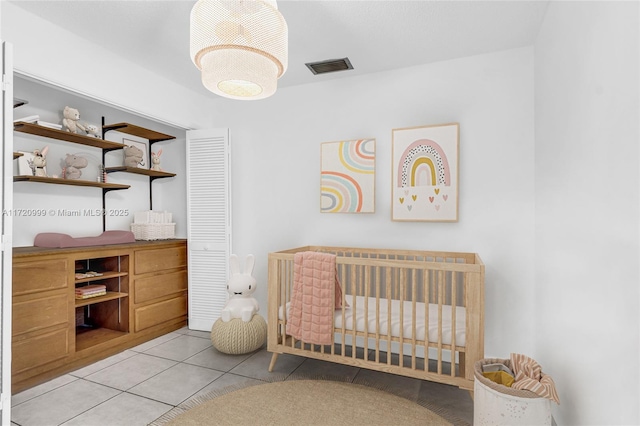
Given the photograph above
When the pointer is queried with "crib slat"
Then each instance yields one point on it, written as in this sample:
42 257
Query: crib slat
426 284
388 285
440 302
413 318
401 284
377 313
344 291
454 310
354 283
366 310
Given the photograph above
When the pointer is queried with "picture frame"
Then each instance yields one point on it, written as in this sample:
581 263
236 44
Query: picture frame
24 164
347 176
144 163
425 175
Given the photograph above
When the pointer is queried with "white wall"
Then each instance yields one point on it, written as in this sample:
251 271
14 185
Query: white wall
587 215
275 148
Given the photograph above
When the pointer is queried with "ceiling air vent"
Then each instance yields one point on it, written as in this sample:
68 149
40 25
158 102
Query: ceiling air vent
331 65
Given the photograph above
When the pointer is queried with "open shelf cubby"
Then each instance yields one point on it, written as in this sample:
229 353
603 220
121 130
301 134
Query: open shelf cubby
103 317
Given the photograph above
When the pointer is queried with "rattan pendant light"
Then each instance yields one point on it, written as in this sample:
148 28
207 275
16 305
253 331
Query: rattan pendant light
239 46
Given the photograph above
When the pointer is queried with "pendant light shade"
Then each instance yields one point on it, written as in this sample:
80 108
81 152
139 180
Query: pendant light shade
239 46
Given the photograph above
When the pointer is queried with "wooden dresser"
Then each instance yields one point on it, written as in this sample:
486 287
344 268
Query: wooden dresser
54 332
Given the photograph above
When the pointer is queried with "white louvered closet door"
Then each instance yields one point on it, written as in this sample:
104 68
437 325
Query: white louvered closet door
208 224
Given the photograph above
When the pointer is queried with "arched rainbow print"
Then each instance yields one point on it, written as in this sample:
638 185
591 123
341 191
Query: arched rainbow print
358 156
340 193
423 163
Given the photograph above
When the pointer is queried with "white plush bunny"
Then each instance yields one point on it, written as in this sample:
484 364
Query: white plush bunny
240 288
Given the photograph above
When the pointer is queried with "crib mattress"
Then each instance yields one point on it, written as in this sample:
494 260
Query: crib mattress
356 309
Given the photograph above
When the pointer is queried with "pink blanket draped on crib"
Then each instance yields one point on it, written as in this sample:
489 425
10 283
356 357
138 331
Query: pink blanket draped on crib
315 294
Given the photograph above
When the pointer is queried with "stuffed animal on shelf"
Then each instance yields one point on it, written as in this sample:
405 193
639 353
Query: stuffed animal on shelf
155 159
92 130
73 164
70 123
133 156
240 287
39 161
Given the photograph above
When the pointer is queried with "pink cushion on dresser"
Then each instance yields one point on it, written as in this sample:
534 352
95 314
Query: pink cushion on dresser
58 240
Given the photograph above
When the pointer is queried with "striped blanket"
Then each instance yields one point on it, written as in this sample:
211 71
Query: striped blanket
529 376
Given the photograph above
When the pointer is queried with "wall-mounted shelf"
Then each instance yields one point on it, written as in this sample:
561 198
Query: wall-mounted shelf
19 102
152 136
74 182
61 135
105 145
130 129
139 171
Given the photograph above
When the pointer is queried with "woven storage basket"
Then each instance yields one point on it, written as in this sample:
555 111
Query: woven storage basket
496 404
153 231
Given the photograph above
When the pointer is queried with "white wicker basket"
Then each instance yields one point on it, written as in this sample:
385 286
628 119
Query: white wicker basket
153 231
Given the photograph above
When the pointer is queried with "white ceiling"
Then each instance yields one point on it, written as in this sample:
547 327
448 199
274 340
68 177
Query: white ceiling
375 35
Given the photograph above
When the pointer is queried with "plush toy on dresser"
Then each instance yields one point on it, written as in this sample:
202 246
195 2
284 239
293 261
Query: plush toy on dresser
70 121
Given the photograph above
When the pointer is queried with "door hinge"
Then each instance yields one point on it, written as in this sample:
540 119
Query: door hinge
5 83
6 243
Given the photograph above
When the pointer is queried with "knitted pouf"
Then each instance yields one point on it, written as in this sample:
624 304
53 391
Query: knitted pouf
238 337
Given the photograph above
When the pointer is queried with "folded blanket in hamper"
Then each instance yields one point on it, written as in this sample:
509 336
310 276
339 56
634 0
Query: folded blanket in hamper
529 376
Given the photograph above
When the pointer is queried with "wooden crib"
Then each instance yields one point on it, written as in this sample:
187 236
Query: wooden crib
415 313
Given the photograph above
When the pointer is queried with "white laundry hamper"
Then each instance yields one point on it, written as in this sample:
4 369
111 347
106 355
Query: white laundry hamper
496 404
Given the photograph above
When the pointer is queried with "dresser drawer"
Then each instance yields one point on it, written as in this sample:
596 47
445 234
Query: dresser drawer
157 286
147 261
160 312
39 350
39 275
36 314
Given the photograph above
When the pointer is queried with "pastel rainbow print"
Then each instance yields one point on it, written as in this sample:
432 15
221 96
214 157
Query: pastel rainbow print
357 156
423 163
349 165
342 191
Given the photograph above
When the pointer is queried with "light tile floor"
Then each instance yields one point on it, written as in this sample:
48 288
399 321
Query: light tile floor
141 384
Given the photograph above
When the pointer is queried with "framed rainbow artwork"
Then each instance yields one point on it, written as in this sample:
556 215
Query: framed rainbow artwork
425 173
347 176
